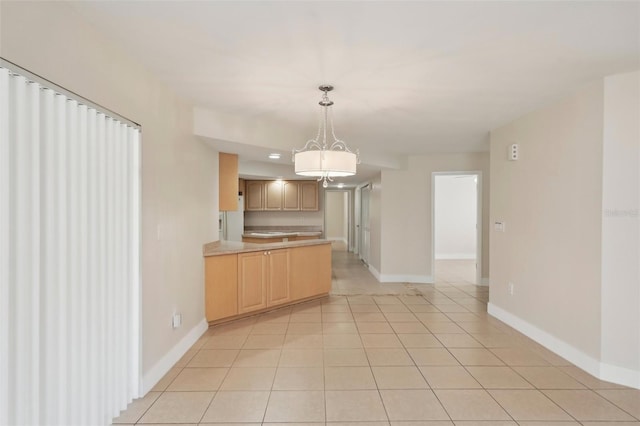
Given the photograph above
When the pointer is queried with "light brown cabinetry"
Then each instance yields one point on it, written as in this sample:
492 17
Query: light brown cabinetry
228 181
263 279
242 283
281 195
291 196
254 197
273 195
309 196
221 278
252 281
278 289
309 267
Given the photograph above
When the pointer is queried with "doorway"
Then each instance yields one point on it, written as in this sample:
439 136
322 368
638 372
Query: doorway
457 219
337 219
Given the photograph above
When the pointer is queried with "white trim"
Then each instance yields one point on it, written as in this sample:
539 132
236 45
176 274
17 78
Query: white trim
602 371
620 375
456 256
400 278
485 281
338 239
157 372
415 279
374 271
560 347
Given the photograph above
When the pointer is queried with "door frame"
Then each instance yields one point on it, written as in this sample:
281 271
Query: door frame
478 174
359 227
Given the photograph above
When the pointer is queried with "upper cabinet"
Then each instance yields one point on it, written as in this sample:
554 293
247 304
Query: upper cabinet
309 196
254 195
228 181
281 195
273 195
291 195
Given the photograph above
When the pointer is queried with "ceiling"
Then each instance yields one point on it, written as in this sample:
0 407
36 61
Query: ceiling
410 78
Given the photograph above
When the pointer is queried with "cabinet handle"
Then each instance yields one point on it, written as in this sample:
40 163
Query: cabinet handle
268 252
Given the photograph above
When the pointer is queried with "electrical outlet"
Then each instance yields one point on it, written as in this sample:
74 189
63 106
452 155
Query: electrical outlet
176 320
511 289
513 152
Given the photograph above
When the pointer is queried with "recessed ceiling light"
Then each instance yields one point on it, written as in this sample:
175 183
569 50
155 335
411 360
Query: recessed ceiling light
274 156
341 185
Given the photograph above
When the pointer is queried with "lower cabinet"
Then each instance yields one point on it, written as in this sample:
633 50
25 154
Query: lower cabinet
310 272
221 286
241 283
263 279
278 288
252 281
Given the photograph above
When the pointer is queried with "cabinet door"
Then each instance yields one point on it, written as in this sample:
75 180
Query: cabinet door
309 196
252 281
273 195
221 286
278 288
291 196
254 195
310 271
228 181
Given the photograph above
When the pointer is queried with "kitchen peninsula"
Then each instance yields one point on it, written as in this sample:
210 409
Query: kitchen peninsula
247 278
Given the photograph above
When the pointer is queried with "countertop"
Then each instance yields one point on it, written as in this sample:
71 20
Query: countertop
281 234
218 248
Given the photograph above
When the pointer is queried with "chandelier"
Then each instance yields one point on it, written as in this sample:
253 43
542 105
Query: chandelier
322 158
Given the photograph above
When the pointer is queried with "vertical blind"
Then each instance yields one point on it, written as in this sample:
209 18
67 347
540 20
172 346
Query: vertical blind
69 253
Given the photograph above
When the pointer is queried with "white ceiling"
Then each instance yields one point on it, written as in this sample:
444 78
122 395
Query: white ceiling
410 77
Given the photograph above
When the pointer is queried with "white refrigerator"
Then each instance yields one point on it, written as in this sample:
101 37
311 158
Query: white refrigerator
232 223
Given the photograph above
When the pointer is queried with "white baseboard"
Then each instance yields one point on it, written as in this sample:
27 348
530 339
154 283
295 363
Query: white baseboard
157 372
338 239
455 256
620 375
415 279
390 278
589 364
375 272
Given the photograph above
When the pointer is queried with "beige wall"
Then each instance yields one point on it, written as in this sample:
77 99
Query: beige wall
179 173
407 211
550 200
621 226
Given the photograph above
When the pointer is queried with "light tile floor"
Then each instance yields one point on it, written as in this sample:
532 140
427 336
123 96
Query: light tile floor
379 354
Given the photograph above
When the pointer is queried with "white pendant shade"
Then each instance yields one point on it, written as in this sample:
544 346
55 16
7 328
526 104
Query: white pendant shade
321 159
320 163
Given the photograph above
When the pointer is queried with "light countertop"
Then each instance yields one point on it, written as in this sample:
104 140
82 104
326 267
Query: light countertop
218 248
280 234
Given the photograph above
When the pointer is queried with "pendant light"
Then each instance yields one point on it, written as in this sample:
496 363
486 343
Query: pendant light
322 158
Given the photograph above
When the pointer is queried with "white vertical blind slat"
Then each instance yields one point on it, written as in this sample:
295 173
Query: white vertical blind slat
62 256
83 313
49 318
4 246
69 271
